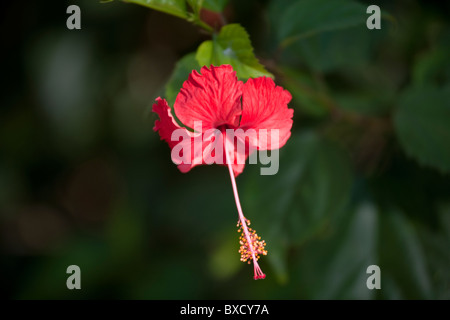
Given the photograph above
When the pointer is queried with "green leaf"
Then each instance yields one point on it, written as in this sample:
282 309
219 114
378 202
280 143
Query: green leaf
180 74
305 92
232 46
368 102
308 17
278 255
402 259
173 7
335 266
215 5
432 66
436 246
328 51
321 187
422 124
196 5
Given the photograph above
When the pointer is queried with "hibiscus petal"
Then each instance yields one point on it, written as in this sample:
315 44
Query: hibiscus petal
265 106
213 97
167 124
175 136
190 149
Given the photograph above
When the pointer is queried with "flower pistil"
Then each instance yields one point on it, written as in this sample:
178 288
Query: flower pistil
251 247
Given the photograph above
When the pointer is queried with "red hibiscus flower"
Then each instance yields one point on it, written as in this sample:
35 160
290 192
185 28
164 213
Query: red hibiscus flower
230 119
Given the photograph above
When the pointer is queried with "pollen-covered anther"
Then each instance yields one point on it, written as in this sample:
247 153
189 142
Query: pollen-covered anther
257 244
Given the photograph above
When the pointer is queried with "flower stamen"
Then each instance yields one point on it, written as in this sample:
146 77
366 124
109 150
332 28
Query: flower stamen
251 245
251 251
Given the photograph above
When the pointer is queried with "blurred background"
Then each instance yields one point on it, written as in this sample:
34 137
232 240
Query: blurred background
364 179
